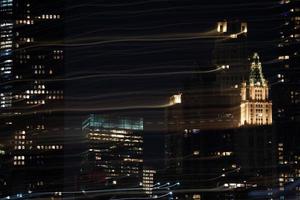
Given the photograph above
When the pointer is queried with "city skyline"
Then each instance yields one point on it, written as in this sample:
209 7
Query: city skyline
149 99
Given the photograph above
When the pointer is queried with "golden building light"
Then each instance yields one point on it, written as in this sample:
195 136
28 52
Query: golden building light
148 180
256 108
222 27
175 99
244 27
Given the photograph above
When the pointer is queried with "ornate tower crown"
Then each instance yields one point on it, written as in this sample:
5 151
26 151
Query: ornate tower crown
256 108
256 76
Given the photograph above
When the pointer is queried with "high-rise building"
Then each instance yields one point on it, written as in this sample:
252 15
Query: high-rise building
114 154
287 89
286 94
256 108
3 171
31 57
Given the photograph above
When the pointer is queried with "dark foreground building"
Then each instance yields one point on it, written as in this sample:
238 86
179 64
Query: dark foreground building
31 116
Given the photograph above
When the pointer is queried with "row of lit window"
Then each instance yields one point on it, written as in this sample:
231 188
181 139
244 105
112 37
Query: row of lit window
43 91
54 97
114 139
49 147
284 57
24 56
39 87
38 66
36 102
18 142
20 137
258 105
7 36
57 57
126 134
5 68
38 127
128 172
147 182
148 178
129 167
21 132
133 160
258 110
22 96
6 3
49 17
258 97
6 46
19 163
57 51
6 24
115 135
39 71
28 22
39 183
19 147
259 120
27 39
149 171
226 153
5 42
19 157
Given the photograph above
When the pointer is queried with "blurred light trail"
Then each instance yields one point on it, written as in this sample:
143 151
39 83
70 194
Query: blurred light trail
119 75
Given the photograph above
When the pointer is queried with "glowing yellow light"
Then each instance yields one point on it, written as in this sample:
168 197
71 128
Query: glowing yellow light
233 35
244 27
222 27
175 99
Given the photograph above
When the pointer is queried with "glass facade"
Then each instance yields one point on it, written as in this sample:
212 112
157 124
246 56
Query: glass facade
114 151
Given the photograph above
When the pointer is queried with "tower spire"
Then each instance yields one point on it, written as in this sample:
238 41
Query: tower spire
256 76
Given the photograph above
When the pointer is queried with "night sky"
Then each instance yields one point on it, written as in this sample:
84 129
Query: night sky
111 45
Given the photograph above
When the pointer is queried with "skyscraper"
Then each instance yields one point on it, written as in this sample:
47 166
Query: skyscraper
287 89
31 58
286 94
114 155
256 108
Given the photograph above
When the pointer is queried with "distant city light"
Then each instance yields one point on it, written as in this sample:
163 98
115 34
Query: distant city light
175 99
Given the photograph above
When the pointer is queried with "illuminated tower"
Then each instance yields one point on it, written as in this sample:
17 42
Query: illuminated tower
114 151
256 108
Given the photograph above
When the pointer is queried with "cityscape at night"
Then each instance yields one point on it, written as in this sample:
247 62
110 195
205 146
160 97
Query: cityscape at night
150 99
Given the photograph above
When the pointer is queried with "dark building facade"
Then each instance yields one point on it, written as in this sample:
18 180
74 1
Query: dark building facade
222 156
231 51
287 90
31 57
228 163
286 95
211 100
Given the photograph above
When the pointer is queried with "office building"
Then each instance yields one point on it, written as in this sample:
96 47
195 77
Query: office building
114 152
287 90
286 95
31 127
